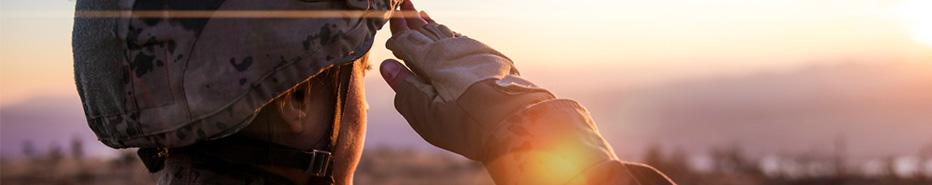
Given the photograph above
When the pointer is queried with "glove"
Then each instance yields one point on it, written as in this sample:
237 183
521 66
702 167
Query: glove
460 89
469 99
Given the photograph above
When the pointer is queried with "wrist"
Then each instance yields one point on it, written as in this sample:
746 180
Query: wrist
487 103
549 142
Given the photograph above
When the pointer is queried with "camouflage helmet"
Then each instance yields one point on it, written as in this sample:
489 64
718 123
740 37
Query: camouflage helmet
170 73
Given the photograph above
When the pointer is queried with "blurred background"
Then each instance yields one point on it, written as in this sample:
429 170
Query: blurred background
711 92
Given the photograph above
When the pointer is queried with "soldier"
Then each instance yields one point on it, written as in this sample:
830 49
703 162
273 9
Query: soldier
211 95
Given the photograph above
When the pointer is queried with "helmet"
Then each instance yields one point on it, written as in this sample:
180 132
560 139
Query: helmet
153 80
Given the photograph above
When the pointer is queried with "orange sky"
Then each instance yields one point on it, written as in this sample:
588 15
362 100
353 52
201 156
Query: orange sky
595 41
579 49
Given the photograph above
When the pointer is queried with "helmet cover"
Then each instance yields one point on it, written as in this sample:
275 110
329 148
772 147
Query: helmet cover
161 81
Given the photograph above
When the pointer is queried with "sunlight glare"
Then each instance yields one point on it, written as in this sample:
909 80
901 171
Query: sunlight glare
916 17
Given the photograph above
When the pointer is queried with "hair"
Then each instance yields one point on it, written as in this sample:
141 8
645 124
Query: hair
327 80
330 77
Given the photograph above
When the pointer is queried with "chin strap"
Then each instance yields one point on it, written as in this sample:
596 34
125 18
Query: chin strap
345 75
242 150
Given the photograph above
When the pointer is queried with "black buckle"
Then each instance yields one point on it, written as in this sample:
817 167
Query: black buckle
320 162
153 158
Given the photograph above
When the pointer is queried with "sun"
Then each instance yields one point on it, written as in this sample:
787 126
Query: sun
916 16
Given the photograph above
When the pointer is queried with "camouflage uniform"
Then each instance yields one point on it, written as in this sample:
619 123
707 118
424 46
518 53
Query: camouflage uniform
169 82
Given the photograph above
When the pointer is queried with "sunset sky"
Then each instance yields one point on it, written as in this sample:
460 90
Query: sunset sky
669 38
576 48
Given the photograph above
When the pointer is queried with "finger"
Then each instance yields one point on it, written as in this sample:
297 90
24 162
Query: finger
414 20
400 78
426 17
398 25
392 71
412 95
407 5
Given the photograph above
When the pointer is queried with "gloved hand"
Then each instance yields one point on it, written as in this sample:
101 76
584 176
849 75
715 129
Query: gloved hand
469 99
460 89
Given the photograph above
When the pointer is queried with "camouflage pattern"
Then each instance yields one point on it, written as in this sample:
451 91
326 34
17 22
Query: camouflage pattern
171 82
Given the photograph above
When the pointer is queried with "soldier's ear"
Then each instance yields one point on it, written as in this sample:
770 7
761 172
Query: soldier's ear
291 112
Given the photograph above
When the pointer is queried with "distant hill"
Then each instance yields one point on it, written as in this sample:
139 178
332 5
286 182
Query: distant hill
45 122
879 109
876 109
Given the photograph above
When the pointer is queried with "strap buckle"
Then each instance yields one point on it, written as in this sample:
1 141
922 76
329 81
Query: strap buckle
153 158
319 163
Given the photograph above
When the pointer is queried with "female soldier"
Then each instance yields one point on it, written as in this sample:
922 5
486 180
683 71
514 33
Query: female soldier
211 93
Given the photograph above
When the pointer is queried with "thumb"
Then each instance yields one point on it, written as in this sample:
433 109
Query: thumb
394 73
413 96
403 81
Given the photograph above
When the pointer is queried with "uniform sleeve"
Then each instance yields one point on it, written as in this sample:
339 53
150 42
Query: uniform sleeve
471 100
556 142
